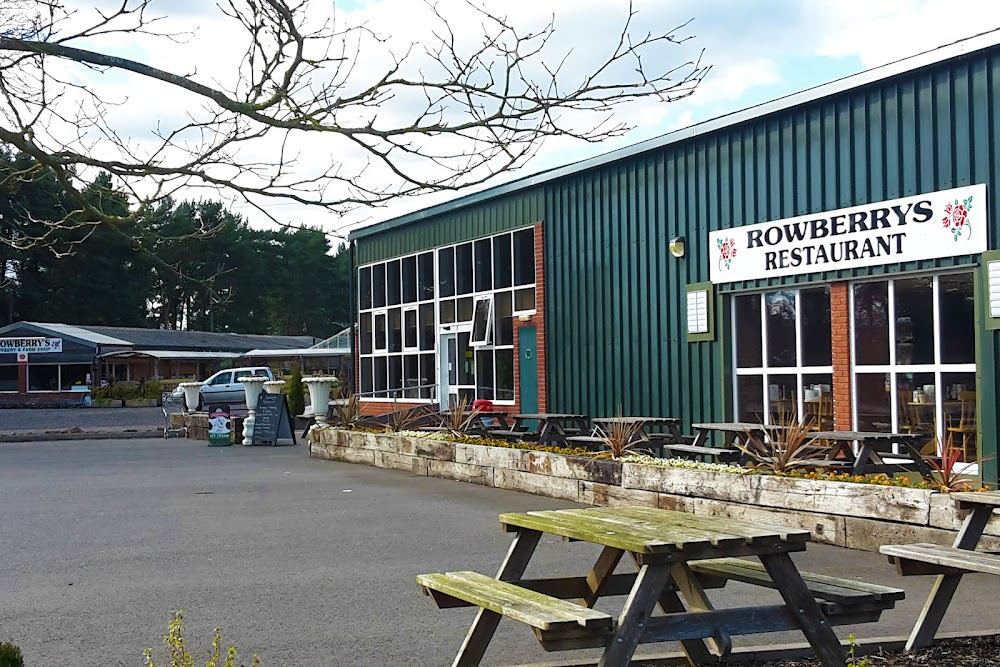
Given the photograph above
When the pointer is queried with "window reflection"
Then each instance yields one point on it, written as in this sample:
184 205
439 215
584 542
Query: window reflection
871 323
914 321
779 313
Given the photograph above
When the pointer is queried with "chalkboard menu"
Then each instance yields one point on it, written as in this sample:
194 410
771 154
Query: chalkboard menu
272 421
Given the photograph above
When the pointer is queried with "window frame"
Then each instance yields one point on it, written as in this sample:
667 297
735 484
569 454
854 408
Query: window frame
894 369
435 299
487 339
766 371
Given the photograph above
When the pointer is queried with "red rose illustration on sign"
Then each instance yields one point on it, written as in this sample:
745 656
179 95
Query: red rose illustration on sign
727 251
956 217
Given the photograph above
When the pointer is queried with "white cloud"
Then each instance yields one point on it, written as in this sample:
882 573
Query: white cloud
753 47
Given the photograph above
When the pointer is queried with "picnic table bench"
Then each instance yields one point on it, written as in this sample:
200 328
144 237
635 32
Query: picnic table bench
948 563
678 557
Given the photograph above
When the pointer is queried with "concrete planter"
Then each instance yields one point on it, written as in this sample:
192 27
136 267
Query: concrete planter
859 516
141 403
107 403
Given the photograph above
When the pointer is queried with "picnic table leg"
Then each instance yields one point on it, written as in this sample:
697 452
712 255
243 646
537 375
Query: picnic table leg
512 569
811 620
632 622
696 650
600 573
866 456
690 588
946 584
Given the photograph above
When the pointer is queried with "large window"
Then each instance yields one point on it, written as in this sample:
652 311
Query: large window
915 357
8 379
480 287
784 357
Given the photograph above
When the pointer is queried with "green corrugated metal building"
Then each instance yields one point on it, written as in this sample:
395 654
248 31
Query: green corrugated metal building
559 291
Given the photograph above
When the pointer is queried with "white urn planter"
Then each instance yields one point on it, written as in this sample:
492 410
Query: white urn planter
274 386
190 390
252 387
319 395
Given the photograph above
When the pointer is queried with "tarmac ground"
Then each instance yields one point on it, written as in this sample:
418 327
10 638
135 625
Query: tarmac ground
308 562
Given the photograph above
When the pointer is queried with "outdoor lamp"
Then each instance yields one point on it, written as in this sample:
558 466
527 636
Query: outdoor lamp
677 246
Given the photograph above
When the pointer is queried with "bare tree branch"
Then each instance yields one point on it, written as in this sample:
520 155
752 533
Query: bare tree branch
439 116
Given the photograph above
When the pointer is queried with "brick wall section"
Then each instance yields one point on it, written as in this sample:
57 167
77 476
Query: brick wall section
840 318
537 320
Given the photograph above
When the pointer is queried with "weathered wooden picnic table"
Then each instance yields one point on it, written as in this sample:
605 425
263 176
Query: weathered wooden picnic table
747 434
678 556
653 440
873 448
948 563
549 427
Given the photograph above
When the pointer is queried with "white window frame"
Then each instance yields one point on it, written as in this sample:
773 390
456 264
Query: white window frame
765 371
414 308
893 369
487 339
58 389
384 312
436 301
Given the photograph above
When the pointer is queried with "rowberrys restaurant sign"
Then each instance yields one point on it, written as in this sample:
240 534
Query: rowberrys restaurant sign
927 226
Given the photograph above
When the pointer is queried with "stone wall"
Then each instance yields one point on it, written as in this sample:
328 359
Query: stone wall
858 516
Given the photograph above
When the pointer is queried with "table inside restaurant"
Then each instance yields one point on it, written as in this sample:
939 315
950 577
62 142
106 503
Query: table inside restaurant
674 553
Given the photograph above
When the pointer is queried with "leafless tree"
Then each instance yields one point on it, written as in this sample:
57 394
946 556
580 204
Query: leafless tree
438 116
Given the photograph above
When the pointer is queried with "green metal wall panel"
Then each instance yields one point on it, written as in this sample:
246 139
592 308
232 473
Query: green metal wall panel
615 320
615 297
490 217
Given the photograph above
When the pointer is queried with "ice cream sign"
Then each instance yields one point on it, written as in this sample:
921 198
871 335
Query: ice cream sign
23 346
927 226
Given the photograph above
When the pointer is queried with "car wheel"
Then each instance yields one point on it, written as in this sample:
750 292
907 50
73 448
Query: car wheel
201 403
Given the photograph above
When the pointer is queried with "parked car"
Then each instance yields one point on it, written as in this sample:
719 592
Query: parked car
225 386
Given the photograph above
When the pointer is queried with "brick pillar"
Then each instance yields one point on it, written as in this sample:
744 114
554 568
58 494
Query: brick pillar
538 321
840 318
22 378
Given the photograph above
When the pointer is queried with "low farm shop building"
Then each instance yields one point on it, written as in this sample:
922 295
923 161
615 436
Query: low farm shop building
831 256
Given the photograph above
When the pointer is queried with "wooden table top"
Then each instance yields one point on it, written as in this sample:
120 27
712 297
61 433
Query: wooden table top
733 426
644 530
550 415
968 498
862 435
636 420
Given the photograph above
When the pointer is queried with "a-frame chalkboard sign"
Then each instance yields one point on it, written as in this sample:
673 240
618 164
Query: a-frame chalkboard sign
272 421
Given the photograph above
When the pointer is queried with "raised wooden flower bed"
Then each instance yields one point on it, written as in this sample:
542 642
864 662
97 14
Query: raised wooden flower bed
859 516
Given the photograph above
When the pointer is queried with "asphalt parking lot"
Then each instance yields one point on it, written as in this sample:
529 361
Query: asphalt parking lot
308 562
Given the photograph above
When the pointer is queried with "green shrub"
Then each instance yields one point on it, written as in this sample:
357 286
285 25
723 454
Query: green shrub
296 393
124 391
153 389
10 656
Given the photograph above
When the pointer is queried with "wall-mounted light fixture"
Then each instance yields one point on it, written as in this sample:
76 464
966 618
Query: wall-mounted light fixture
524 318
677 246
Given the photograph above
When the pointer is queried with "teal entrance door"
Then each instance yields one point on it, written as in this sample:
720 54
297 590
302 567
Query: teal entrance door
528 380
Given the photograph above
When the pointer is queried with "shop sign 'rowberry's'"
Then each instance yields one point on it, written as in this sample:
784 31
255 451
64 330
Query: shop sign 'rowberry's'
30 345
928 226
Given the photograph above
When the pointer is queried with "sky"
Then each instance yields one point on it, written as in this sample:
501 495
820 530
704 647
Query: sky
758 50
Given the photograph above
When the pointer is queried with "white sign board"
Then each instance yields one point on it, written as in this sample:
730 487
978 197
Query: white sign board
928 226
30 346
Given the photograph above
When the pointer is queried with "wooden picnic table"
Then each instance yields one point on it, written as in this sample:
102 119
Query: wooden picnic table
747 434
659 440
549 427
678 556
873 448
948 563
